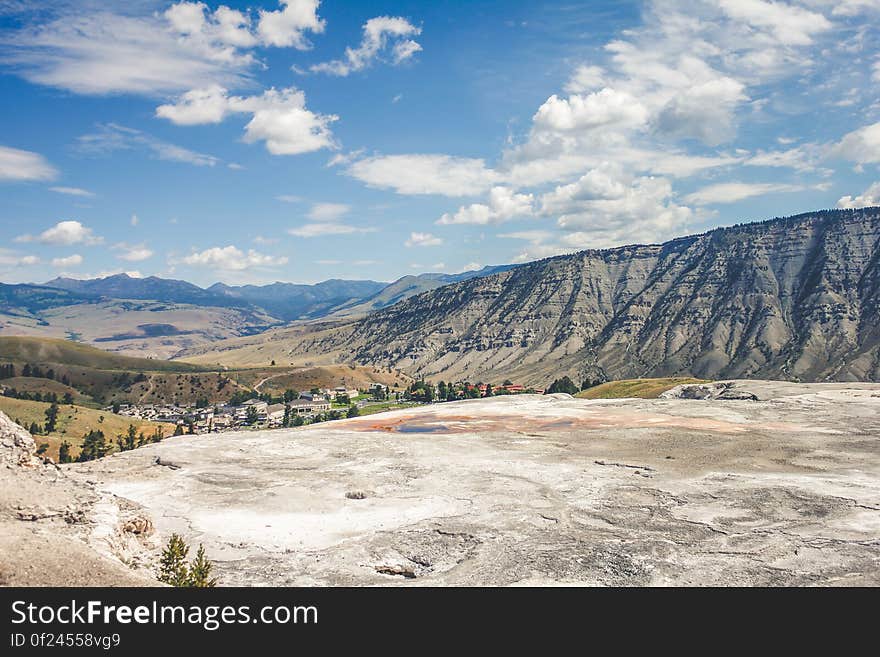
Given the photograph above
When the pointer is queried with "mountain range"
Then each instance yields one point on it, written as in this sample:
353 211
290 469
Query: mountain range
794 298
159 317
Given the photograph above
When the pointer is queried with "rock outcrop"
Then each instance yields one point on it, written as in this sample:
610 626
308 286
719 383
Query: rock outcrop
58 530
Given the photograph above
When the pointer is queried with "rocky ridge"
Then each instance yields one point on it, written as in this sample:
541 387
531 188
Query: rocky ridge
793 299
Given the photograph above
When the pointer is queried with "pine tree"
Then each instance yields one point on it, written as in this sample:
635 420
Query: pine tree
51 418
251 417
172 566
199 575
64 453
94 446
353 411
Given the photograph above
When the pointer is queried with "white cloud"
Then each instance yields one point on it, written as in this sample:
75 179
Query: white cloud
585 78
64 233
533 236
861 146
133 253
278 117
74 260
870 197
222 27
10 258
17 165
602 108
382 34
289 198
604 183
327 228
422 239
186 47
328 211
425 174
787 23
503 204
111 137
265 241
103 53
287 27
644 210
540 245
704 111
800 158
72 191
730 192
231 258
197 107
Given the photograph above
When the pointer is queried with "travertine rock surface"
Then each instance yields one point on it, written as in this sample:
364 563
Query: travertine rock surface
59 531
781 489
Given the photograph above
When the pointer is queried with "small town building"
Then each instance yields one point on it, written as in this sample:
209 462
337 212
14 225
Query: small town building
275 414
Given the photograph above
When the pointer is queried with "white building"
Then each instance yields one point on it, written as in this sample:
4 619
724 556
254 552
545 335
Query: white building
275 414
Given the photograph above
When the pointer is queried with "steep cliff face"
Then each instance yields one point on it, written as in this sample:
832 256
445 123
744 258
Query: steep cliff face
793 298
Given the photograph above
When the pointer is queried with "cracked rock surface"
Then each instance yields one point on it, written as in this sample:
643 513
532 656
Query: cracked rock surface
57 530
780 486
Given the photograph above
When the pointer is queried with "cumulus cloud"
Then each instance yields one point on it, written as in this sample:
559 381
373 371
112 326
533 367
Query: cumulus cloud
18 165
185 47
132 252
386 38
422 239
861 146
287 27
74 260
502 205
686 114
279 117
231 258
602 108
10 258
643 209
869 198
64 233
787 23
585 78
665 97
425 174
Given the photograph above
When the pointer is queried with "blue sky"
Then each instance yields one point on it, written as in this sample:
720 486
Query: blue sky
249 142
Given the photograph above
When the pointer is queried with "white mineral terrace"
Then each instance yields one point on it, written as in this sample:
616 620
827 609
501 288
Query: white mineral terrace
534 490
